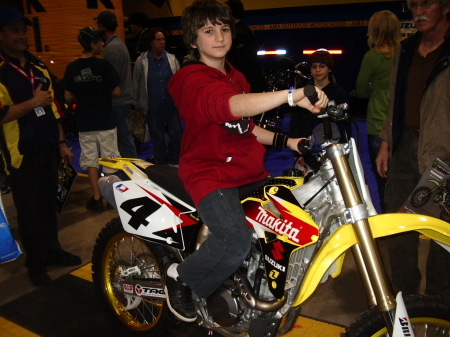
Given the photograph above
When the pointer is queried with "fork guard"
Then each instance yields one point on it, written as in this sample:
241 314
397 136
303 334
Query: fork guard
382 225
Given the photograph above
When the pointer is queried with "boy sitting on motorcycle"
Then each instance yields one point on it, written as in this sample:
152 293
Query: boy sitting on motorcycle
221 151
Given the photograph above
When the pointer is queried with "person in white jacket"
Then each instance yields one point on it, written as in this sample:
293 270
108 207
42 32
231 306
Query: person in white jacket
152 72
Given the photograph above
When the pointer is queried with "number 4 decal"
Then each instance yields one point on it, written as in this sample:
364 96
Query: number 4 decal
139 209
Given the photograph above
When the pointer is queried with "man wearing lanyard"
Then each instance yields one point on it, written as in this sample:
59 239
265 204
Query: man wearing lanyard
31 138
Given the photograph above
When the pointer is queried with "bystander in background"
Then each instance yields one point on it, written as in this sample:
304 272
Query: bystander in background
303 122
91 82
414 134
383 38
32 139
117 54
151 75
138 24
243 52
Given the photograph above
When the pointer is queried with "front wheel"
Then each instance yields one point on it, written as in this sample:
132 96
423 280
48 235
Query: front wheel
114 252
429 315
420 196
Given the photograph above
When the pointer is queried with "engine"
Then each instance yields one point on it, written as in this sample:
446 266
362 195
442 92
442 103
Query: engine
237 301
224 306
233 304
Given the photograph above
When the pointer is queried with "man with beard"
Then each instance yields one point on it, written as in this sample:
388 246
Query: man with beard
415 133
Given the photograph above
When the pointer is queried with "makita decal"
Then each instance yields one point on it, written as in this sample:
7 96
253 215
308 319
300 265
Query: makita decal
279 226
275 264
148 291
128 288
405 326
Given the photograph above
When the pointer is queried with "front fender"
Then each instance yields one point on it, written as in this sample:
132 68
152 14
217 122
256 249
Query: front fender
381 226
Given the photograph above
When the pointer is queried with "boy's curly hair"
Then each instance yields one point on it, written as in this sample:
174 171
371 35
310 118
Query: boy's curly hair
197 15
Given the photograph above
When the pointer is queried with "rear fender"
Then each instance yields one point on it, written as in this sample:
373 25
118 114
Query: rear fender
152 213
381 225
133 168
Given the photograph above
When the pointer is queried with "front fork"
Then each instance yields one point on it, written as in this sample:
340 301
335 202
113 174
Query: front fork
366 252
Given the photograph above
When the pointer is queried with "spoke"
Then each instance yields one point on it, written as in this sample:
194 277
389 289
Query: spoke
429 330
129 251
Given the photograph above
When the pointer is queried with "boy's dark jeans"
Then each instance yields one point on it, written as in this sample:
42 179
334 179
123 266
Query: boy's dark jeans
226 247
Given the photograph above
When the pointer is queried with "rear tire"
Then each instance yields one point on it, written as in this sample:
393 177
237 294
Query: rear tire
116 249
429 315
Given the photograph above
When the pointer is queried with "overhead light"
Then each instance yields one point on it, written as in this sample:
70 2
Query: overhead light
272 52
331 51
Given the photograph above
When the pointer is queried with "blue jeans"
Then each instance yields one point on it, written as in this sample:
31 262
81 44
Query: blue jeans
226 247
374 143
125 141
167 149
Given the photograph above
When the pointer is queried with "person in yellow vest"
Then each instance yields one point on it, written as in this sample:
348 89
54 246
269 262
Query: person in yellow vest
31 140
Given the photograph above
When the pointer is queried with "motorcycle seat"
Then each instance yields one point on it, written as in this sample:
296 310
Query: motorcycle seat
167 177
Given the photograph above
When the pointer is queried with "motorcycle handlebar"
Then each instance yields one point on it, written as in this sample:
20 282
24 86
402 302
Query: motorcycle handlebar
332 112
310 92
304 146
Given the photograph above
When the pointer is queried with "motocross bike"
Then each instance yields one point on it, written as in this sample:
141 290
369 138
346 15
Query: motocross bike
303 227
441 199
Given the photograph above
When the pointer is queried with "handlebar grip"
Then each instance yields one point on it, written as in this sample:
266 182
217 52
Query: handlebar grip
310 92
304 146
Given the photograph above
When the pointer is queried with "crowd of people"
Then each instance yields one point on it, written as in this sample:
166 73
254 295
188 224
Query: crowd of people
216 89
31 114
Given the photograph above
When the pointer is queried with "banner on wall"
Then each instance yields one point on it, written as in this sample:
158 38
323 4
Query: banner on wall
53 37
407 29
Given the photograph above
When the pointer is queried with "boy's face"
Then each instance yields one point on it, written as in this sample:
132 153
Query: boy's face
213 42
320 71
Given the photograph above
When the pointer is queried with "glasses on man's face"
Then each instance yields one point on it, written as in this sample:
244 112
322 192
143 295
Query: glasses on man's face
424 4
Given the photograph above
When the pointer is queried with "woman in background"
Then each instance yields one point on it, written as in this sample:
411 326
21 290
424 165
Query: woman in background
373 79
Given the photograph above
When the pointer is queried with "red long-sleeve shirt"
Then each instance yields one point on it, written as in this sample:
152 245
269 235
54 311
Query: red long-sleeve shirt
212 156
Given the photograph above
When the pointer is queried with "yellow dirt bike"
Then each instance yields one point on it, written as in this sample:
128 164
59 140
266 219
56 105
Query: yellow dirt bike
303 227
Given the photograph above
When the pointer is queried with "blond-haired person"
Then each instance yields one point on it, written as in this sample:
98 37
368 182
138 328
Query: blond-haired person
383 38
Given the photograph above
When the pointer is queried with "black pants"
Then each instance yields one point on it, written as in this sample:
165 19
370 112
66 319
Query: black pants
403 176
34 193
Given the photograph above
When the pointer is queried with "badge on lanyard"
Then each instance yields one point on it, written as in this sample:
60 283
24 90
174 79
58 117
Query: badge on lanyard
39 111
